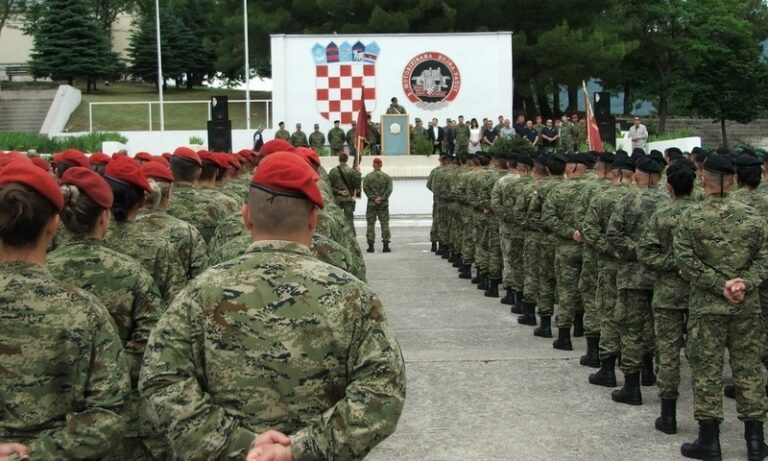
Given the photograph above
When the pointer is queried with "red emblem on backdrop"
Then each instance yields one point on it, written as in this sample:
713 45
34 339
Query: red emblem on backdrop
431 80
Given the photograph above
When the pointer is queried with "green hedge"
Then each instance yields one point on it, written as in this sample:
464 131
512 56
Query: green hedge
43 144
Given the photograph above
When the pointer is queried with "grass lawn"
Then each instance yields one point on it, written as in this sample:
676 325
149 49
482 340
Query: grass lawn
134 117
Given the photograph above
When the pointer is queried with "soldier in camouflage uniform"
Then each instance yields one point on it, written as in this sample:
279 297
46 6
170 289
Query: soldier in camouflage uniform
377 186
418 134
513 236
491 241
502 203
120 282
275 340
721 248
670 291
462 137
559 215
299 138
63 375
634 313
351 138
317 139
282 133
567 135
344 181
436 212
336 137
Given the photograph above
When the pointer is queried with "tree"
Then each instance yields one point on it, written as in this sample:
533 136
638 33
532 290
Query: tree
69 44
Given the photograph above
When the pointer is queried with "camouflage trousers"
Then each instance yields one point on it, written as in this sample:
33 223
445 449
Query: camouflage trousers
468 237
380 212
530 267
588 289
434 229
546 283
481 241
444 225
514 256
567 269
708 338
494 250
634 316
349 213
457 229
606 299
506 260
670 333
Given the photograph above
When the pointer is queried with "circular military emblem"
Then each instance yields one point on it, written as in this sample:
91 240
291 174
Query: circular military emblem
431 80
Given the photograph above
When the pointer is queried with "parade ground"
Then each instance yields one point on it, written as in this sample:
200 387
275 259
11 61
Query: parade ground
482 387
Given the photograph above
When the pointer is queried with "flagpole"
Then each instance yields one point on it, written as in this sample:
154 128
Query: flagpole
247 70
160 79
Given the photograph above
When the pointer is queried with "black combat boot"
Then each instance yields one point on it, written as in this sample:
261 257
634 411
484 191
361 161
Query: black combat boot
630 393
729 390
667 422
465 272
753 434
606 376
517 307
578 325
493 288
446 252
529 315
592 357
563 341
476 278
707 446
509 299
483 283
434 247
649 377
370 248
386 249
457 261
545 329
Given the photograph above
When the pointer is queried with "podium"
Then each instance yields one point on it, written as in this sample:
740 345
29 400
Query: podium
395 134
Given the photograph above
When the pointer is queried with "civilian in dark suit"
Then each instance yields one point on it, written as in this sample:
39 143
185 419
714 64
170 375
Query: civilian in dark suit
436 135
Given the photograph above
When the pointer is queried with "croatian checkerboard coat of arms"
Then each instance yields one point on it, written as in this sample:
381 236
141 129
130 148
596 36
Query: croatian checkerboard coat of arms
344 73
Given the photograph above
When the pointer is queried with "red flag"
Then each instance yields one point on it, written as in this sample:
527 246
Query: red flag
362 131
593 132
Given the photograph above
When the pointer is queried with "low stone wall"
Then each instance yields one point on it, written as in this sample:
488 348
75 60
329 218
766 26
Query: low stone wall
754 133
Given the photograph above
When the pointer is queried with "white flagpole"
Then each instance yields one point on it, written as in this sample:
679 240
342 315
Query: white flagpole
159 65
247 70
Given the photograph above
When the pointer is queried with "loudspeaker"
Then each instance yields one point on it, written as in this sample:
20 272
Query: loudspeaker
220 136
602 104
607 127
219 107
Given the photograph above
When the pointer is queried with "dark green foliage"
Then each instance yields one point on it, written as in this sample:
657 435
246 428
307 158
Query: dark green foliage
512 144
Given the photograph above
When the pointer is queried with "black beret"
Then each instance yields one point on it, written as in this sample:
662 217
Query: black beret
621 152
525 159
682 165
673 152
699 154
719 164
575 157
648 165
606 157
622 162
748 161
590 158
658 156
560 157
540 158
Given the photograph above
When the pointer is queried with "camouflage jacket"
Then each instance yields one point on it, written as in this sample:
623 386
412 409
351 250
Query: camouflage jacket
156 254
756 198
283 134
625 228
485 187
229 228
63 376
670 291
431 179
336 138
500 201
595 222
299 139
537 192
189 245
316 140
560 211
593 187
462 134
351 138
342 178
377 184
196 207
275 339
718 240
236 189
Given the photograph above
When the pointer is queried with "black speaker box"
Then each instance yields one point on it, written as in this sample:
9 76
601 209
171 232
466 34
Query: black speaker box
219 107
607 127
220 136
602 104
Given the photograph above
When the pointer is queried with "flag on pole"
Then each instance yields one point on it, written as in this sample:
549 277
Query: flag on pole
362 132
593 132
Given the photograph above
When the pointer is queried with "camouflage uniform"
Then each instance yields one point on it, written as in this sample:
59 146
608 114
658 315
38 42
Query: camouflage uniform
377 184
559 215
634 282
418 134
283 134
133 299
542 254
278 340
316 140
196 207
491 243
351 139
462 139
299 139
344 178
336 138
433 230
328 251
63 375
189 245
670 293
229 228
511 235
717 240
567 136
156 254
236 189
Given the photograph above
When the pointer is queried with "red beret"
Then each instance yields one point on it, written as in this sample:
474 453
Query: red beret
309 155
128 172
232 159
12 157
157 170
377 161
216 158
188 154
31 176
161 159
247 153
167 156
100 158
91 184
118 155
276 145
281 173
143 156
42 163
72 157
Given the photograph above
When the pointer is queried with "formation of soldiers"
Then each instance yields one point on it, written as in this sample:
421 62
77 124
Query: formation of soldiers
317 140
644 255
194 305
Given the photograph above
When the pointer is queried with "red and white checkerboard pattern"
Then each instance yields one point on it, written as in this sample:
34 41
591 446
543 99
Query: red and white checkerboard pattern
339 87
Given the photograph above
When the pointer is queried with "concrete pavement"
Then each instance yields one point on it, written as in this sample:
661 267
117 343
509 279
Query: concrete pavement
482 387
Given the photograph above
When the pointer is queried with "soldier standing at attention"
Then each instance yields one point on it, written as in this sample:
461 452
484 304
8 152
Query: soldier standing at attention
65 377
282 133
299 138
377 186
395 108
351 139
721 248
418 133
316 139
327 380
344 182
336 138
566 133
461 132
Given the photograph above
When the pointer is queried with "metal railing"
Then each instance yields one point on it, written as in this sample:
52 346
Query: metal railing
149 104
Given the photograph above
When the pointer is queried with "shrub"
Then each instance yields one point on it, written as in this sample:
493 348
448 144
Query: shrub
421 147
196 141
90 142
512 144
